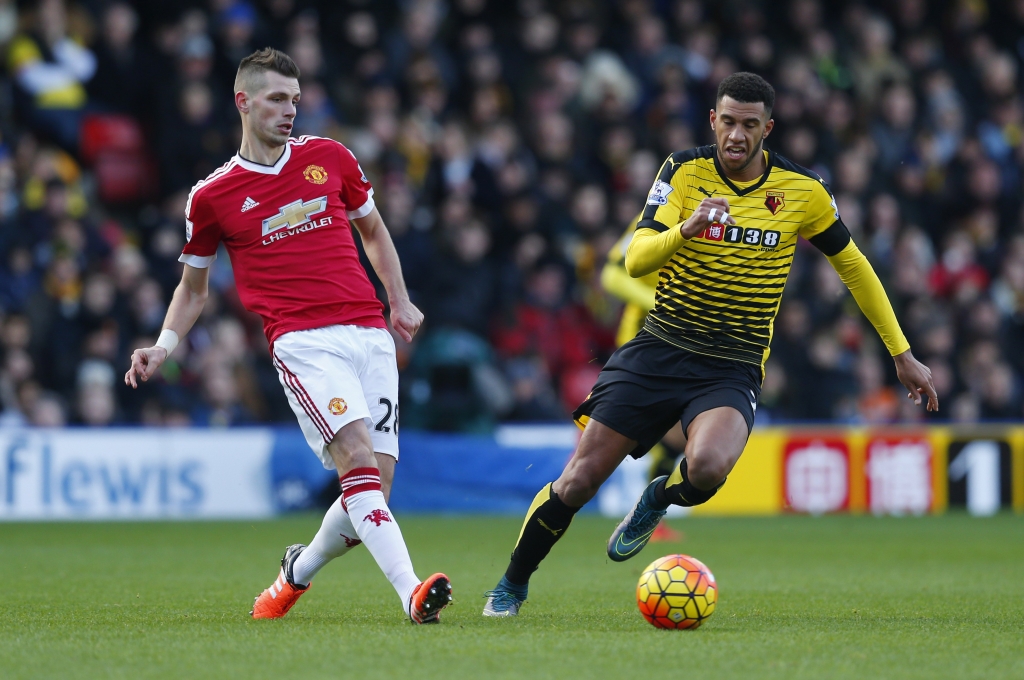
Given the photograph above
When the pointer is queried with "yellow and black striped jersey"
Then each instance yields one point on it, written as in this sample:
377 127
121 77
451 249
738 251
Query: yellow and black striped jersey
719 293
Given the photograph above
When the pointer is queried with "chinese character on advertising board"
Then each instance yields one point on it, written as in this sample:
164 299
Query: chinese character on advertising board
817 476
899 476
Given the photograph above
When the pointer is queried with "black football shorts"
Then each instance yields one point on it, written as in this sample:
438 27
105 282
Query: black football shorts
648 385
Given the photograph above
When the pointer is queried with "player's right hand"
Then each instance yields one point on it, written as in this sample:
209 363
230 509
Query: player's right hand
406 318
702 217
145 363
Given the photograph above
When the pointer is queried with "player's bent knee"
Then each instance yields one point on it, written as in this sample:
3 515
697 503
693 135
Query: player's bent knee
707 469
348 460
349 455
600 452
577 486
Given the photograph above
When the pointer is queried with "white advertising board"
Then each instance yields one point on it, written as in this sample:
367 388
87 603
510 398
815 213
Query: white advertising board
134 474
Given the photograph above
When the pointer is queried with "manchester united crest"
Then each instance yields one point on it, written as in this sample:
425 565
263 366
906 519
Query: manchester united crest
315 174
775 201
337 406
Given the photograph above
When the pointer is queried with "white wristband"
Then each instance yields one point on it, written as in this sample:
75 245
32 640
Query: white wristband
168 340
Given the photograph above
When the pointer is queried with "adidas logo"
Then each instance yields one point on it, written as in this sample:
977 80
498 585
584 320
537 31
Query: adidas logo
249 204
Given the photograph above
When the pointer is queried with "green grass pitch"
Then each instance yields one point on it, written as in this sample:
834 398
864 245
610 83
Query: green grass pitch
801 597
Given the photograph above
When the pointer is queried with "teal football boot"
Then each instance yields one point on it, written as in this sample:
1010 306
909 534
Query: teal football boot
635 530
505 599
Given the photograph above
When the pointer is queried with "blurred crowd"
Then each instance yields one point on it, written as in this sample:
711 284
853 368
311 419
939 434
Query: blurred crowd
510 143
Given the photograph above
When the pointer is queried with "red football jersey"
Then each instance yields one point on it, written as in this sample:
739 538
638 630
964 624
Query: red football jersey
286 227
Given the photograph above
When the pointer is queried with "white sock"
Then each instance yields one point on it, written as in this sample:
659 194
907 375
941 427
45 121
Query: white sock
336 537
369 513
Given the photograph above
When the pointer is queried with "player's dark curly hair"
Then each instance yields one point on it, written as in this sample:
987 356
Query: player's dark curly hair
748 88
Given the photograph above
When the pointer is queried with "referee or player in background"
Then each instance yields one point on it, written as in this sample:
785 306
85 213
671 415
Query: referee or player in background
638 296
720 226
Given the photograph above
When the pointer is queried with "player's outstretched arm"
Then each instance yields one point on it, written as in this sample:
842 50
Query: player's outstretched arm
186 305
856 272
380 250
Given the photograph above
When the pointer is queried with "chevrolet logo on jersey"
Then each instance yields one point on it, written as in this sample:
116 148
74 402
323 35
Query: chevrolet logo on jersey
295 214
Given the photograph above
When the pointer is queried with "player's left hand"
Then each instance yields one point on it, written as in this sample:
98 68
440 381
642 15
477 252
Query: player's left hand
405 318
145 362
917 378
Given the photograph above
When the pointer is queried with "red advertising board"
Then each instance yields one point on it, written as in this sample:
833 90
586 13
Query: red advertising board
899 475
816 475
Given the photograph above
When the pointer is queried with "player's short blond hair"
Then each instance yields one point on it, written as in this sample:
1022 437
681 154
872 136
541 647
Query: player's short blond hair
249 77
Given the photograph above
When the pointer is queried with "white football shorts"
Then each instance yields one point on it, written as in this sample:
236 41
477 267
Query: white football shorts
338 374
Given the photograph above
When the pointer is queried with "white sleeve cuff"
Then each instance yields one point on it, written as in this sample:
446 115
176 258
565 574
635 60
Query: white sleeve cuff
197 261
365 210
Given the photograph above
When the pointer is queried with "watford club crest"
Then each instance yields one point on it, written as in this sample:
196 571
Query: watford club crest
315 174
775 201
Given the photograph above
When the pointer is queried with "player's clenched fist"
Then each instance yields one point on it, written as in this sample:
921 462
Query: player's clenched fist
710 211
406 319
145 363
